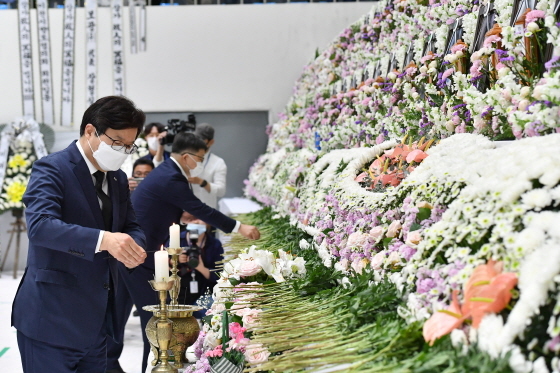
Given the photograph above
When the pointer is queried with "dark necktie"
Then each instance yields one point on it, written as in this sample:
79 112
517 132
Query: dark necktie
106 206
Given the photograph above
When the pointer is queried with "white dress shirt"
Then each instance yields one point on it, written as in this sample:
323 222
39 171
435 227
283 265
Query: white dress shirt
104 186
215 173
237 223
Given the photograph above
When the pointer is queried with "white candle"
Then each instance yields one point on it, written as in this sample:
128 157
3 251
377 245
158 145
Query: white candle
174 236
161 259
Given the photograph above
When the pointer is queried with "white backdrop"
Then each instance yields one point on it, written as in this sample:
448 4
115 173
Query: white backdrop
199 58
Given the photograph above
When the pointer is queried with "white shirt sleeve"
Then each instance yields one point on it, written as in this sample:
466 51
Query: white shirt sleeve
218 182
237 225
98 247
156 163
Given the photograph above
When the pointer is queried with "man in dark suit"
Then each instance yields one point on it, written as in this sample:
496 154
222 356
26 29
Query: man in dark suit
81 222
159 201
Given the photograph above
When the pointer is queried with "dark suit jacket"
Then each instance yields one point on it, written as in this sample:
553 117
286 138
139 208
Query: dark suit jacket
64 294
160 200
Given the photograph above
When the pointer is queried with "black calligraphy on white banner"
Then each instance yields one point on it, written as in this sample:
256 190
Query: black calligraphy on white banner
118 42
68 62
91 51
47 102
26 59
133 31
142 26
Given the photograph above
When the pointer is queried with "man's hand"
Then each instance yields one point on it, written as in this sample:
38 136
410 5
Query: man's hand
249 231
132 184
195 180
123 248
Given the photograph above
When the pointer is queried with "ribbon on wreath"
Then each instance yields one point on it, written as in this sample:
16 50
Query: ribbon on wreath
47 102
21 130
118 51
133 29
26 58
91 51
68 38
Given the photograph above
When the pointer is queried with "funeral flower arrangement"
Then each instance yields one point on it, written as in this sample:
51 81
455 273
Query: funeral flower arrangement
21 145
428 247
233 317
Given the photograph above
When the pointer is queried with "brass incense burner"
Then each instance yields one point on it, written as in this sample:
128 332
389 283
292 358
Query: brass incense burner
173 327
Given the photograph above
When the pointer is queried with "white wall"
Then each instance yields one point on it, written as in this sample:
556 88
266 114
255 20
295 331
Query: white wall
199 58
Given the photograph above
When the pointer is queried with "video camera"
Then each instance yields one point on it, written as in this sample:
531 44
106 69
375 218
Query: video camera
175 126
193 251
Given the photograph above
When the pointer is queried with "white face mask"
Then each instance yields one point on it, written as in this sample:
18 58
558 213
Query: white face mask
201 228
108 158
153 143
197 171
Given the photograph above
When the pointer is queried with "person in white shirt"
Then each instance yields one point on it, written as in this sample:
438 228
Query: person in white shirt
211 184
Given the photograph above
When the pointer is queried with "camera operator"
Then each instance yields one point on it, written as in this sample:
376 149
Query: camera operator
155 133
211 184
141 168
159 201
202 247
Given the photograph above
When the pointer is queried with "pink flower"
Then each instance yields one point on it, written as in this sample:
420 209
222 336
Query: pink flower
447 73
394 228
251 319
361 177
458 47
444 322
376 232
416 156
379 139
475 69
413 238
491 39
256 354
249 268
356 239
217 352
533 16
377 261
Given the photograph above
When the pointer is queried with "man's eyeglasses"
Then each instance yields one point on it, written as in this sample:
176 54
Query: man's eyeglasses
119 146
196 155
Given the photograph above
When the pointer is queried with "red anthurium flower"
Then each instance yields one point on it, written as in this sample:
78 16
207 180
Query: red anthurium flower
488 291
444 322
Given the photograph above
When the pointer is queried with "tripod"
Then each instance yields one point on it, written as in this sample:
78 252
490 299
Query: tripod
18 227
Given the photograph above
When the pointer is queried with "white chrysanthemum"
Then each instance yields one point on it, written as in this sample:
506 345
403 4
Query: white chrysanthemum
536 199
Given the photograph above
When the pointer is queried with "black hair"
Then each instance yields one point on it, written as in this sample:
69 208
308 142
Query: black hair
115 112
205 131
187 141
149 126
143 161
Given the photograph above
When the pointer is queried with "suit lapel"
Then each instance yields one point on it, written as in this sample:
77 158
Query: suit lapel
84 177
115 198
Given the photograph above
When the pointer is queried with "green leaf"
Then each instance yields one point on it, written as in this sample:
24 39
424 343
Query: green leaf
415 227
387 242
423 213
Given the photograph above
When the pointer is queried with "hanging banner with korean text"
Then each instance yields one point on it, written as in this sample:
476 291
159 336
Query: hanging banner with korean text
91 51
47 102
142 26
26 59
133 30
118 58
68 37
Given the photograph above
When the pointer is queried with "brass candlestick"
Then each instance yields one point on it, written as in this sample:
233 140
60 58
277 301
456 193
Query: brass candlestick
164 327
184 328
174 292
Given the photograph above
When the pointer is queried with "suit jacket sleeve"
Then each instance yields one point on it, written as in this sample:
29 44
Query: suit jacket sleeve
43 200
182 196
